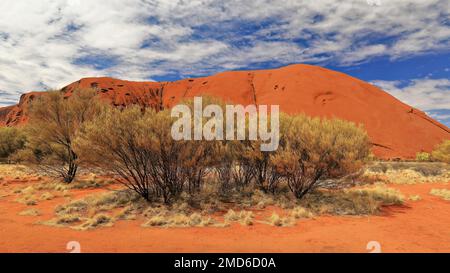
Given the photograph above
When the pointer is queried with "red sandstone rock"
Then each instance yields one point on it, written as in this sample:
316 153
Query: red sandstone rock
396 129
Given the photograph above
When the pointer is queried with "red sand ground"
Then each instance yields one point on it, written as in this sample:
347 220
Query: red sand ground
421 226
397 130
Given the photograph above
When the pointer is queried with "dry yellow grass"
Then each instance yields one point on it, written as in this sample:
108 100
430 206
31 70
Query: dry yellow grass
280 221
62 220
98 220
387 196
127 213
90 181
300 212
179 220
415 198
408 172
47 196
78 222
28 200
245 218
15 171
442 193
364 201
30 212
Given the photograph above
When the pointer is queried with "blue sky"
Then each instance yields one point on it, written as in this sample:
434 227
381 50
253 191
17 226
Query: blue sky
403 46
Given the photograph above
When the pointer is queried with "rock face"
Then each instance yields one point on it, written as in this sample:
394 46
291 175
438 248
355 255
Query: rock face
396 129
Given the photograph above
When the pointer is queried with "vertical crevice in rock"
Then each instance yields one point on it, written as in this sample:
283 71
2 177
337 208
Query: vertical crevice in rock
251 76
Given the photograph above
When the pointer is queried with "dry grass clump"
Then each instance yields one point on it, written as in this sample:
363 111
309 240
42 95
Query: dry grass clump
112 200
243 217
47 196
63 220
387 196
409 177
90 210
127 213
91 181
261 200
443 193
27 196
39 192
301 212
99 203
51 186
415 197
98 210
364 201
30 212
84 223
67 219
280 221
99 220
77 206
15 171
26 191
179 220
409 172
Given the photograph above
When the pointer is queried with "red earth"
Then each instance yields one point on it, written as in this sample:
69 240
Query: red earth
396 129
416 226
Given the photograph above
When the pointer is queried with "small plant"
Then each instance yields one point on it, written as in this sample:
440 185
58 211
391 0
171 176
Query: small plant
77 206
231 216
99 220
67 219
195 219
47 196
30 212
245 218
125 214
155 221
443 193
300 212
278 221
423 157
178 220
442 152
364 201
11 140
415 198
386 195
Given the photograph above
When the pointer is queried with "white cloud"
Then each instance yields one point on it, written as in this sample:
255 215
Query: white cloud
424 94
41 41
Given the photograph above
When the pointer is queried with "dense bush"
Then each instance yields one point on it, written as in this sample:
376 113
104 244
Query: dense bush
54 121
313 149
137 145
11 140
442 152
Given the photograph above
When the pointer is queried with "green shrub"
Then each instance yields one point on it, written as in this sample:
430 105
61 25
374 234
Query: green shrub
313 149
54 122
423 157
11 141
442 152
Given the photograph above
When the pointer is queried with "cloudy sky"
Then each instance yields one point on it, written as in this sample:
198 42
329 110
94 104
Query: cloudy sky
402 46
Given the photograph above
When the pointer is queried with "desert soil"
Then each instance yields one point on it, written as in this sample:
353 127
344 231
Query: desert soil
417 226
